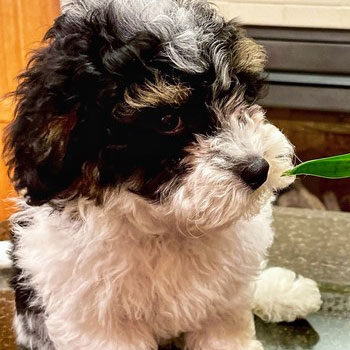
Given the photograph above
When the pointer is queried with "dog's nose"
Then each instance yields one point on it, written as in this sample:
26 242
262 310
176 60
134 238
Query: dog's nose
254 172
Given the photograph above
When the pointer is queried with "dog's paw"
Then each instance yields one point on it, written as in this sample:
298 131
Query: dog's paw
281 295
255 345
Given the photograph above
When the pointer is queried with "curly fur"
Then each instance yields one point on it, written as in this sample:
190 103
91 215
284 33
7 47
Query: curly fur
132 127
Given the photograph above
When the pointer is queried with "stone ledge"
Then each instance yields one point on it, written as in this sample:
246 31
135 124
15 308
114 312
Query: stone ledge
313 243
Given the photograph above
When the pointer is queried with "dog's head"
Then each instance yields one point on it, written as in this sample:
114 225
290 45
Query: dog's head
156 97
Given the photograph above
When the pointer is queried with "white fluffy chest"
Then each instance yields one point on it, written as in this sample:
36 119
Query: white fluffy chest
98 271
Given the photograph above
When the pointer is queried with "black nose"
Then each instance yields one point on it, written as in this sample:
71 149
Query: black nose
254 172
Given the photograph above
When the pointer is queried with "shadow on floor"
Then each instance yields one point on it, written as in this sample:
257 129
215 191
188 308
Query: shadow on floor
295 335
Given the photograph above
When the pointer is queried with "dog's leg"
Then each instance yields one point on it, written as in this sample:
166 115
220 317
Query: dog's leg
228 334
29 319
281 295
31 332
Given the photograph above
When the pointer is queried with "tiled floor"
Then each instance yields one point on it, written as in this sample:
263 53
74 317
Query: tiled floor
7 341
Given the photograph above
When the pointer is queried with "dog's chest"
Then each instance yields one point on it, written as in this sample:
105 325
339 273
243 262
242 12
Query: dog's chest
108 276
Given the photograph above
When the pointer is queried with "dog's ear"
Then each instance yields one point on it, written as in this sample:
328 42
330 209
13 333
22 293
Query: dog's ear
37 140
249 59
246 60
64 104
48 140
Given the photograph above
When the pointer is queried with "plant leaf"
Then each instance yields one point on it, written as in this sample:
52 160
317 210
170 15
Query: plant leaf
337 167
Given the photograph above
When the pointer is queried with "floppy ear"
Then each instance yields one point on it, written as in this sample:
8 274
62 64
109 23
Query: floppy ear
246 60
65 99
40 142
249 59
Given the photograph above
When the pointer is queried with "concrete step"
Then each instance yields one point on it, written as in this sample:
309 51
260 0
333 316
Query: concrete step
313 243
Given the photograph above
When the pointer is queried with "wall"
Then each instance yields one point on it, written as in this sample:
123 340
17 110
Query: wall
292 13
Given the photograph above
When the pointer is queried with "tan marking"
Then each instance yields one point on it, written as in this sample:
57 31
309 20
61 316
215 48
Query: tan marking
61 126
57 133
156 94
249 56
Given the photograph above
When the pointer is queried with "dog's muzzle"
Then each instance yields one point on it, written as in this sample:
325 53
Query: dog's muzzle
254 171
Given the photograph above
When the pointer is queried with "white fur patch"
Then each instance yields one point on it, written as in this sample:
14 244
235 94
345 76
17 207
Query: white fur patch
114 278
5 261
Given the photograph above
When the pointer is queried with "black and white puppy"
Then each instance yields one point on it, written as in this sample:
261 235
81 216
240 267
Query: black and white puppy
146 173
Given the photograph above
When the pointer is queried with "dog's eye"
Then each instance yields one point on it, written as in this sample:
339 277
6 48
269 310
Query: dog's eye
170 124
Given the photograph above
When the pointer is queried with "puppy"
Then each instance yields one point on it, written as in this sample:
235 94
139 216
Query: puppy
146 171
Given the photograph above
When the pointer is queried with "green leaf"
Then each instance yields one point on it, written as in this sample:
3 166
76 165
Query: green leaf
337 167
